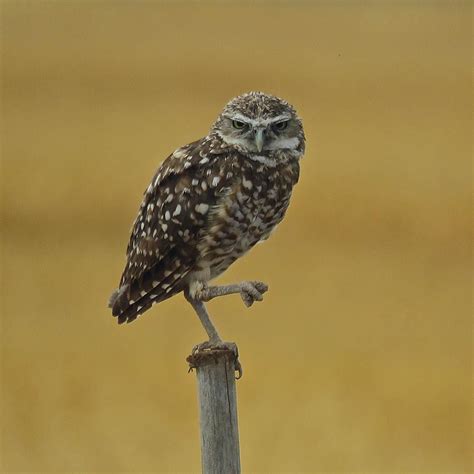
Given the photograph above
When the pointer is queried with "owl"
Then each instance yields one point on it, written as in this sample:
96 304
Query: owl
208 204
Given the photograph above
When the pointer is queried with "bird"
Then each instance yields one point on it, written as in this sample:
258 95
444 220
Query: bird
207 205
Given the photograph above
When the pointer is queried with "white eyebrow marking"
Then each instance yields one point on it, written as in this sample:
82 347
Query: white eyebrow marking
261 122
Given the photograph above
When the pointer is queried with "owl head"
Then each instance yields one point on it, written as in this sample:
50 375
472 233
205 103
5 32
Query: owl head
257 123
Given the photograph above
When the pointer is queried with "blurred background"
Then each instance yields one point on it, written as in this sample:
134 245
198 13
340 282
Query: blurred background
359 360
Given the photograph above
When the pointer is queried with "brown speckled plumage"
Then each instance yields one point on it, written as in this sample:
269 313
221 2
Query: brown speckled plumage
210 202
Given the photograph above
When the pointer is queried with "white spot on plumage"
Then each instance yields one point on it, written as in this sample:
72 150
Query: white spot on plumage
179 153
247 183
164 227
202 208
215 181
177 211
167 215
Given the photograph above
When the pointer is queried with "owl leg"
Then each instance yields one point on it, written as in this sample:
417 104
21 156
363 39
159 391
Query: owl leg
250 291
214 342
201 311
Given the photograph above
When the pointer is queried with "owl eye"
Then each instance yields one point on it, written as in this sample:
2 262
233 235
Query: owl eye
280 125
238 124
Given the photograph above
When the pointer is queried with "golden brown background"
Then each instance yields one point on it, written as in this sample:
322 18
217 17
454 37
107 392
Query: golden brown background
360 357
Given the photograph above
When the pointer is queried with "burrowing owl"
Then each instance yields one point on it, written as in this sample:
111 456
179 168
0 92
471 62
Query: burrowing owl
208 204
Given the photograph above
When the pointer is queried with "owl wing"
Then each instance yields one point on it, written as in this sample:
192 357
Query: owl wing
172 218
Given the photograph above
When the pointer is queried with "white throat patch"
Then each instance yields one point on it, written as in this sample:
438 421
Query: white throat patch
283 144
265 160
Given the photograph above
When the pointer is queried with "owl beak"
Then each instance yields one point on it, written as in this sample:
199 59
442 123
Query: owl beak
259 139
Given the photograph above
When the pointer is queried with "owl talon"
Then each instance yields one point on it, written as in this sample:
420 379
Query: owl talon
247 299
251 291
203 346
216 345
260 286
207 347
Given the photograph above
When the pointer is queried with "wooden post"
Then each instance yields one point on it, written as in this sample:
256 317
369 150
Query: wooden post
215 369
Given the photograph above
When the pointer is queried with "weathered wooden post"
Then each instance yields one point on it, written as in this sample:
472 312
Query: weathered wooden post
215 369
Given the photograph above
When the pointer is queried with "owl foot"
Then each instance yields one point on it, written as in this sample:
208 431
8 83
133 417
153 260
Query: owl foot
216 345
211 348
250 291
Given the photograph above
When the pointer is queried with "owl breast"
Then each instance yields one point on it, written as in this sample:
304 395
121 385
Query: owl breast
249 208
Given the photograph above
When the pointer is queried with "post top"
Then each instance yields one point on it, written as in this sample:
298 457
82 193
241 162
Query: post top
212 356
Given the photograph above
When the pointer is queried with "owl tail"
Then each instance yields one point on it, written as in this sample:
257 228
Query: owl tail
128 303
119 299
125 309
